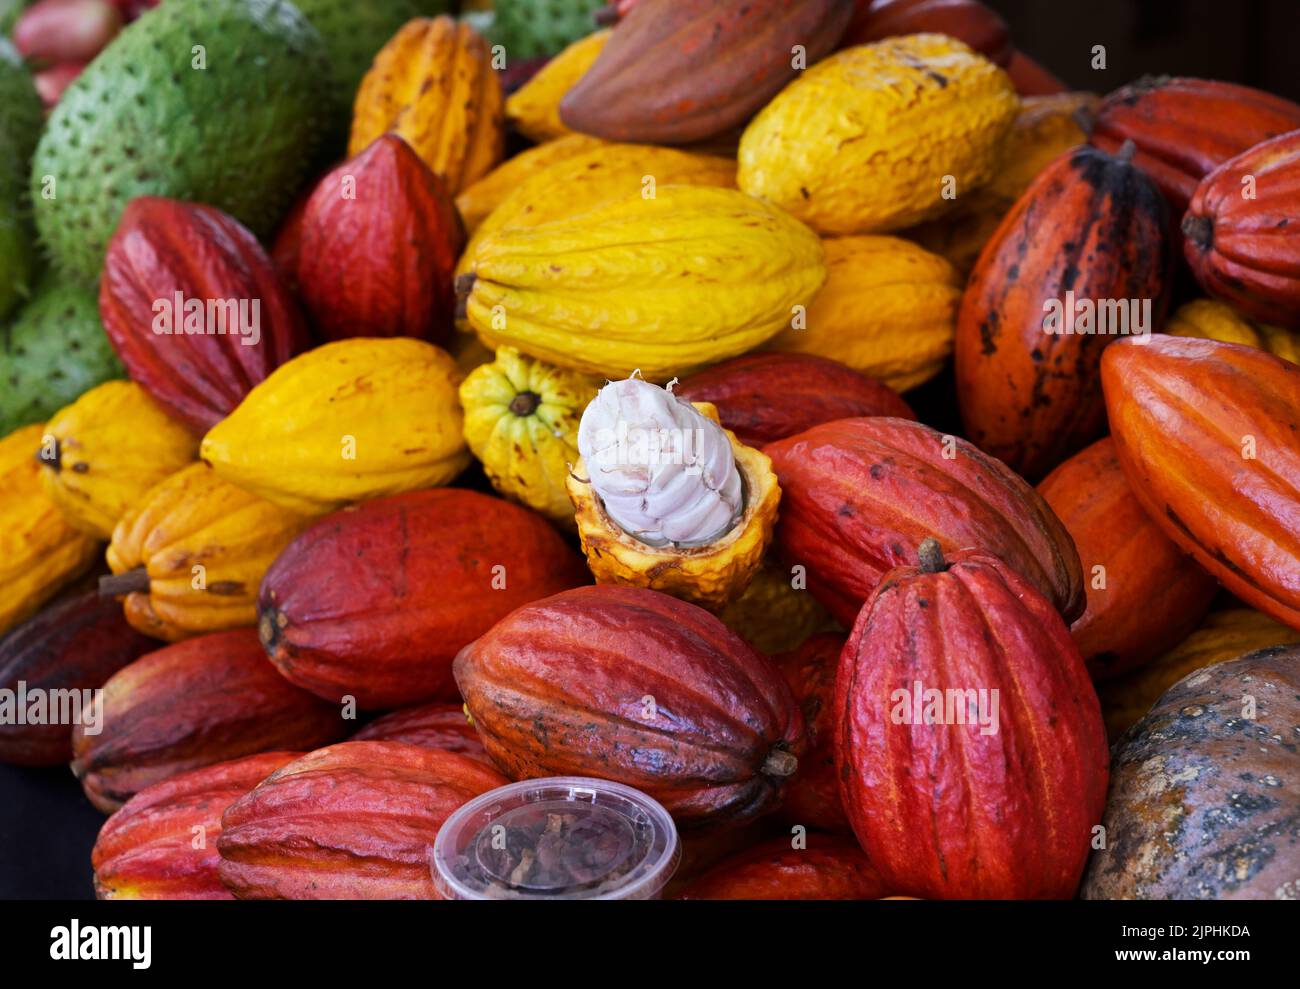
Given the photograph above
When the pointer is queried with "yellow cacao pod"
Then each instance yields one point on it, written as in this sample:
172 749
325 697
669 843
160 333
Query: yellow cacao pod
40 552
664 285
351 420
888 309
193 553
774 615
434 86
1210 319
873 137
534 108
105 450
521 421
483 196
1222 636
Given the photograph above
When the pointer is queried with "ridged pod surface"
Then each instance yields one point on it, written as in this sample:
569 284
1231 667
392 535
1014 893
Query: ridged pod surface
827 868
1206 432
534 109
862 141
1209 319
588 291
968 801
431 726
479 199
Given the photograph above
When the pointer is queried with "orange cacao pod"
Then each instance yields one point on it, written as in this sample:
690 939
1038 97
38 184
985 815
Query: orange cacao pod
431 726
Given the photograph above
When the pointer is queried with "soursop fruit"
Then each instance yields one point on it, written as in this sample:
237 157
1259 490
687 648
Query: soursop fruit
20 126
216 101
54 350
528 28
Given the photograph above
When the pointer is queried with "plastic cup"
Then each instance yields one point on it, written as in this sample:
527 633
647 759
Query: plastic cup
559 838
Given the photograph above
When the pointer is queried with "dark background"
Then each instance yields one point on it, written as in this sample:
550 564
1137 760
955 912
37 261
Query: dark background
47 828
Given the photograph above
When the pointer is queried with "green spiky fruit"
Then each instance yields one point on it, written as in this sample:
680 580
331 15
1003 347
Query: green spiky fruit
54 350
528 28
20 126
216 101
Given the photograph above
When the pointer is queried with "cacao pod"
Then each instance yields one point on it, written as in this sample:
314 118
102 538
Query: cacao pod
433 85
638 687
949 796
226 321
1206 432
430 726
1145 595
968 21
1224 635
587 291
1030 78
847 146
352 419
776 613
192 704
353 821
192 554
888 310
829 868
678 71
859 495
100 454
72 645
766 397
1090 228
1239 248
1185 128
40 552
534 109
162 844
812 797
482 197
374 601
379 263
1203 800
1211 320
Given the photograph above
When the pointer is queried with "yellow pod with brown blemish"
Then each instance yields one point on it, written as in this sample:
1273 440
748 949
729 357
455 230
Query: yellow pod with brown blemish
534 108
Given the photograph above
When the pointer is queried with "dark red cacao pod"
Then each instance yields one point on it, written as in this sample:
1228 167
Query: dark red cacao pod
1031 79
859 495
1247 250
766 397
192 704
1145 594
162 844
829 868
966 20
1090 228
638 687
354 821
378 245
677 71
1185 128
431 726
75 644
374 601
165 248
812 797
978 802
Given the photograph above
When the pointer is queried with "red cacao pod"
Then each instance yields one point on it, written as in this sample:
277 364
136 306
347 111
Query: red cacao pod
1185 128
829 868
168 258
287 246
1090 231
431 726
374 601
1206 434
859 495
812 797
1145 595
162 844
966 20
1246 251
677 71
353 821
766 397
1030 78
378 246
638 687
192 704
75 644
969 800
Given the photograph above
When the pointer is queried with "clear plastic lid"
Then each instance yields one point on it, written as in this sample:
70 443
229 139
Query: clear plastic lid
559 838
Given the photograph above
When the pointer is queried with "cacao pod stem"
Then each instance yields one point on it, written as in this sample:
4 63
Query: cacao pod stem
131 582
525 403
931 556
1126 151
1199 230
463 286
781 763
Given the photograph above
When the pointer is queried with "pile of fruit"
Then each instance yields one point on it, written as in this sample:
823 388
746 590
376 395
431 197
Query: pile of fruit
400 401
